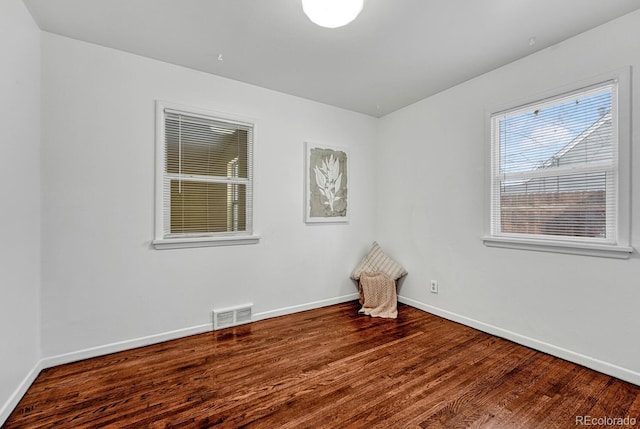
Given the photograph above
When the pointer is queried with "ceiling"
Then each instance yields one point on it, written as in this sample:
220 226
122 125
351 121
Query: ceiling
395 53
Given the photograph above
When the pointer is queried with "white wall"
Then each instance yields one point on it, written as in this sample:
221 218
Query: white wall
102 282
20 196
431 207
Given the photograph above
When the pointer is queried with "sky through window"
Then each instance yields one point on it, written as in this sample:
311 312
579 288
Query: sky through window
531 136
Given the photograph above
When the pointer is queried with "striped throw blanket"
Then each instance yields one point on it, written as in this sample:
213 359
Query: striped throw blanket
378 295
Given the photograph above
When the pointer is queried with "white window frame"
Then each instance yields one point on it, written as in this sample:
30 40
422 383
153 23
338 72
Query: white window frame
618 245
171 241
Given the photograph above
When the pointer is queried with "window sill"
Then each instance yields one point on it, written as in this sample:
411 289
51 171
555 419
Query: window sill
191 242
585 249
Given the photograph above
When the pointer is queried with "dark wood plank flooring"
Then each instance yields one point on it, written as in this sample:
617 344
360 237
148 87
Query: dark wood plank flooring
328 368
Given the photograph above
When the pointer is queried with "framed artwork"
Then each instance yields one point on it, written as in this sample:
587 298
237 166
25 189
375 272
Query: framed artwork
326 184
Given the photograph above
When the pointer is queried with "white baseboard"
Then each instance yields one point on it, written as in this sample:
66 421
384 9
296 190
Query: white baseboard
303 307
7 408
575 357
120 346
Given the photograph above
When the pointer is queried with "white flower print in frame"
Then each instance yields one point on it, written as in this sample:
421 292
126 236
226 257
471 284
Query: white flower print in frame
326 184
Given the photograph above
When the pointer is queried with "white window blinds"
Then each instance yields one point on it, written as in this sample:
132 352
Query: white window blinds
207 176
554 167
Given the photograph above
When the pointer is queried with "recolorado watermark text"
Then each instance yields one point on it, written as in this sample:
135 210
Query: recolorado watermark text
606 421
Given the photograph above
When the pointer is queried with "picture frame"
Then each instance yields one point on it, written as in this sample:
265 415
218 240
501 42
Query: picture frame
326 183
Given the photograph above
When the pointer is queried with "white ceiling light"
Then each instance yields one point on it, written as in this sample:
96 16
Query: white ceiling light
332 13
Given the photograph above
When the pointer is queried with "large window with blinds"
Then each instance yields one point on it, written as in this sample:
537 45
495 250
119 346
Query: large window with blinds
204 178
555 170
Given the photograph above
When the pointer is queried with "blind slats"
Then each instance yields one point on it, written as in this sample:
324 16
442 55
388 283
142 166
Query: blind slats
207 186
554 167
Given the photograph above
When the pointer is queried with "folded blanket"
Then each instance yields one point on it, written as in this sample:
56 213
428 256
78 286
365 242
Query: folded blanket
378 295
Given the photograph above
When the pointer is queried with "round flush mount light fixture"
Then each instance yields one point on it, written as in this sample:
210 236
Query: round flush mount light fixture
332 13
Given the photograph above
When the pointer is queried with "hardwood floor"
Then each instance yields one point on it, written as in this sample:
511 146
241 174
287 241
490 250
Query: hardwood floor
329 368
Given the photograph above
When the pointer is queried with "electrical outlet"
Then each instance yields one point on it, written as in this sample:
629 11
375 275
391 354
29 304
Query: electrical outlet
434 286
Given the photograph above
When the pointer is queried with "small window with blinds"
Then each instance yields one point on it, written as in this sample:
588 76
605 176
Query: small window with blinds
554 169
205 179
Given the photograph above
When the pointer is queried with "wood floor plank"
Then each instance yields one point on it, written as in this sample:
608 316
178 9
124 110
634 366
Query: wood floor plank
326 368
